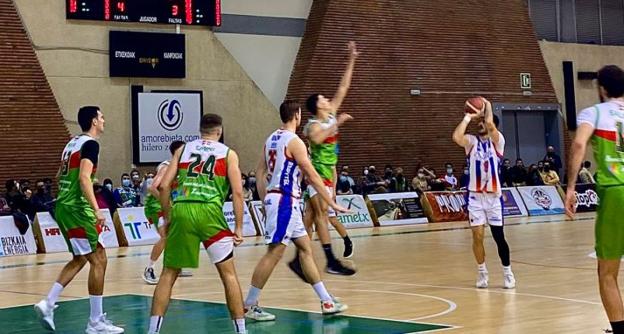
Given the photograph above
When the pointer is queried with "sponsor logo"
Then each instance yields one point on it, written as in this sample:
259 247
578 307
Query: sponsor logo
52 231
14 245
149 60
541 198
587 199
173 55
125 54
452 203
134 227
349 203
170 114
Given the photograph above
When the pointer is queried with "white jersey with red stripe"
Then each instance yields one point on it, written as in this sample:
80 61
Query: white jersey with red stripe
484 157
284 175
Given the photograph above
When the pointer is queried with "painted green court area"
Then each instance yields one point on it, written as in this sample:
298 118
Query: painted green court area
132 312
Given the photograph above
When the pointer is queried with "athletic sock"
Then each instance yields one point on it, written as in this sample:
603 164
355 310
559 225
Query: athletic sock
252 296
617 327
507 270
155 323
96 308
151 264
331 259
239 326
54 293
346 240
482 267
322 293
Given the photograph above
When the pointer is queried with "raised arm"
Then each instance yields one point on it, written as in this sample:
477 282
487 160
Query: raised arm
489 122
345 83
236 182
459 135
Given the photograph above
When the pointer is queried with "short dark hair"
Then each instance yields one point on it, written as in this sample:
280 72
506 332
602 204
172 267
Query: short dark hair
587 164
519 159
125 174
175 145
10 184
210 122
496 121
288 110
86 115
107 181
311 103
611 78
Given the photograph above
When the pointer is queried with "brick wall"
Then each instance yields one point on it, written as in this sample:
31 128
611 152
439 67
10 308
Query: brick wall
448 49
32 130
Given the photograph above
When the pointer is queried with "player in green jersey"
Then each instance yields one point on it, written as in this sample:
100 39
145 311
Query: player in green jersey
80 221
204 171
602 124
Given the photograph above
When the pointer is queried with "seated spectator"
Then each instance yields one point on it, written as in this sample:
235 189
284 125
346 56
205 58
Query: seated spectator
107 194
549 176
435 183
534 178
345 183
100 198
464 180
399 182
253 186
449 178
540 166
135 177
125 196
42 200
554 159
505 173
373 182
420 183
247 193
48 185
518 174
388 175
5 210
18 198
585 176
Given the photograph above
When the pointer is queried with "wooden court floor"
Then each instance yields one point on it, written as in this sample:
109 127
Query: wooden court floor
421 274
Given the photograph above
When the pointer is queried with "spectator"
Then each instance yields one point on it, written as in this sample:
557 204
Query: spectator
345 183
125 196
585 176
534 177
554 159
420 183
449 178
373 182
464 180
149 178
518 174
540 166
107 193
48 185
549 176
388 176
399 182
42 200
135 176
435 183
505 173
18 198
247 193
5 210
98 189
253 186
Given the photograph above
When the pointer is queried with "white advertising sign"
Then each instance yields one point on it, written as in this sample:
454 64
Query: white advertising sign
13 241
398 208
359 216
542 200
136 228
258 212
54 241
249 229
164 118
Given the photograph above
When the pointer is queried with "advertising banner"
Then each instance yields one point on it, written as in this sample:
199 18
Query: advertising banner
398 208
16 241
447 206
542 200
249 228
513 206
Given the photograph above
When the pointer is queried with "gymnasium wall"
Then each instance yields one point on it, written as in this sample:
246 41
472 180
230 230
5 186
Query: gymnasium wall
74 57
448 49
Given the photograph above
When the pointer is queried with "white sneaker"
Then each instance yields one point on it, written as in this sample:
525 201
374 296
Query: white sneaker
256 313
45 313
103 326
509 281
149 276
185 273
482 279
333 306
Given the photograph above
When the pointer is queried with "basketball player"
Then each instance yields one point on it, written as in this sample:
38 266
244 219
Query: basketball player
205 169
80 220
154 215
603 123
485 151
322 133
285 158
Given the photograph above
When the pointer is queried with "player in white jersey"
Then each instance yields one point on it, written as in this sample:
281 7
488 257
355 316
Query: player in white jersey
279 178
485 151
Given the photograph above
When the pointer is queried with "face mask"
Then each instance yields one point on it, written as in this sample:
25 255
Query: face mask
109 186
149 182
126 183
366 172
550 154
40 190
421 175
135 178
343 178
252 179
449 171
466 172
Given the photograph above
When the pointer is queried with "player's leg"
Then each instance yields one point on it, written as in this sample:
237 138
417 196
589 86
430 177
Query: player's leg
260 276
162 296
233 293
496 222
149 275
342 231
610 293
478 219
308 222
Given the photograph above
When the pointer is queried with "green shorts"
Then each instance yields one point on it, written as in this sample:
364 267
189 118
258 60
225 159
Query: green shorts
154 217
77 224
192 224
609 225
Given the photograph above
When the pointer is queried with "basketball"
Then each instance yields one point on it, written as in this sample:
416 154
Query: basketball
474 105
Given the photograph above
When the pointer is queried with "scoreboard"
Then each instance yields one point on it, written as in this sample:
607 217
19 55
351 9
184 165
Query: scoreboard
187 12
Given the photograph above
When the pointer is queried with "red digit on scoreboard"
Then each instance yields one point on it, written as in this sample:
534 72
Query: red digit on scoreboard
107 10
121 6
175 10
73 6
189 11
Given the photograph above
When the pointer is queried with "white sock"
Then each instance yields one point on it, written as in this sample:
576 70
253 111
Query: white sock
239 326
507 270
252 296
482 267
151 264
155 323
96 308
54 293
322 293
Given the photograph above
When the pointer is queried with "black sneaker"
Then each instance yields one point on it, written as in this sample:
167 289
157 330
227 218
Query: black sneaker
295 266
348 249
337 268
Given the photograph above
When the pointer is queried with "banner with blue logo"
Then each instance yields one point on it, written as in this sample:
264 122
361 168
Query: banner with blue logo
542 200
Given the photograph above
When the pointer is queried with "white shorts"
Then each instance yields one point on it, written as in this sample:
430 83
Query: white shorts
485 208
330 191
283 219
220 249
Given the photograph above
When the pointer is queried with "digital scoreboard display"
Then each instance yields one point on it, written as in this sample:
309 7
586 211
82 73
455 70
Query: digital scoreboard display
187 12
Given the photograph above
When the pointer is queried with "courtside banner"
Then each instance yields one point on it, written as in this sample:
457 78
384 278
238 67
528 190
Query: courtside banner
587 199
359 216
15 241
249 229
513 206
446 206
257 210
54 242
136 229
542 200
398 209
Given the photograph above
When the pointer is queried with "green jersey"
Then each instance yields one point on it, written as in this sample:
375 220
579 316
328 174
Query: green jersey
324 156
607 119
152 204
79 148
202 173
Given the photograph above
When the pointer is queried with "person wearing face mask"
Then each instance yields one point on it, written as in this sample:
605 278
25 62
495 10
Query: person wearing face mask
549 176
125 196
107 193
252 185
449 179
399 182
518 174
247 193
554 159
137 185
464 180
42 200
420 183
505 173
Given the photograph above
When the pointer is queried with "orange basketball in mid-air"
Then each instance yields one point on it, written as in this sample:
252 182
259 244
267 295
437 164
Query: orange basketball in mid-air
474 105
